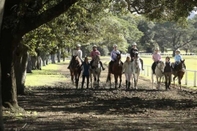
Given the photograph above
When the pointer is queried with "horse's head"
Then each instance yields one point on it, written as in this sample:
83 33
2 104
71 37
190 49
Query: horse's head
118 57
180 65
75 61
96 61
161 66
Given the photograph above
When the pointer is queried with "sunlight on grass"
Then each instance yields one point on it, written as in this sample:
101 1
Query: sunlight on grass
49 75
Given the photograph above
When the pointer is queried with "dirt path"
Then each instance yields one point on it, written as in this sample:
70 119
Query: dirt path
62 107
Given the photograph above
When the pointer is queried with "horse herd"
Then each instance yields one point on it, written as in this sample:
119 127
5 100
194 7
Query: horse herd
166 70
161 71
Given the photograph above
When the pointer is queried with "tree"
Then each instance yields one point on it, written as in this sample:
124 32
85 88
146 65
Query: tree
1 17
171 35
21 17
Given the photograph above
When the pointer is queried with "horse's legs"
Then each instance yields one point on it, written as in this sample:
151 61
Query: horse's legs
157 81
72 77
166 81
169 80
152 78
116 80
179 81
120 83
174 80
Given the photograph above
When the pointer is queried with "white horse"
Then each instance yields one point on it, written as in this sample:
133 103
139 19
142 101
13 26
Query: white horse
136 68
159 73
95 71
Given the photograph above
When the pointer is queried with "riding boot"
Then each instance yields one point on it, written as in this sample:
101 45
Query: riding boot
126 84
129 84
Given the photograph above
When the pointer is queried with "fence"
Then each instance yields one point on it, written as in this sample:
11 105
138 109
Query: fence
189 79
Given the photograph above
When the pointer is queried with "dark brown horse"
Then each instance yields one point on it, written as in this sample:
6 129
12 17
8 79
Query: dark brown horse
179 71
75 70
116 69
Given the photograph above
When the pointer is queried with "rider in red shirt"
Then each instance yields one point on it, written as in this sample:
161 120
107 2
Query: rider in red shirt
93 53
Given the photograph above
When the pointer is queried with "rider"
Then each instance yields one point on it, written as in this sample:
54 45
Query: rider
177 59
134 53
94 53
156 58
77 52
113 55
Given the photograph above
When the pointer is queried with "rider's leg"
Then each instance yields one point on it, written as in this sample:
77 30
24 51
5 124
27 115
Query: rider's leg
142 63
102 65
153 67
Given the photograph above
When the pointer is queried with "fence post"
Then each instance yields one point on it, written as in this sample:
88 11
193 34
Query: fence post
195 72
186 78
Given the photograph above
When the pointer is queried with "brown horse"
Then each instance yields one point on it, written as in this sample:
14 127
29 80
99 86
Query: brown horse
116 69
75 70
179 71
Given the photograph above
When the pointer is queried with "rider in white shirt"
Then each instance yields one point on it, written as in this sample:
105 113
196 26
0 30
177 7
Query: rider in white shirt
77 52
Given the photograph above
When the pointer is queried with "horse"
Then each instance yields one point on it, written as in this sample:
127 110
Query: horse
95 71
168 74
136 68
75 70
179 72
116 69
159 73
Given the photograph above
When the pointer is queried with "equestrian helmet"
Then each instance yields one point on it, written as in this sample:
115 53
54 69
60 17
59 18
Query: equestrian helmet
157 49
178 50
78 45
114 45
134 44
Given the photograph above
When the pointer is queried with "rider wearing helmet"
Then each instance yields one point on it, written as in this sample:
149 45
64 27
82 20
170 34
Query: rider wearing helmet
113 55
94 53
156 58
134 53
77 52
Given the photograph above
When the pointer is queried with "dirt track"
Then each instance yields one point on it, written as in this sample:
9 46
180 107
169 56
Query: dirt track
62 107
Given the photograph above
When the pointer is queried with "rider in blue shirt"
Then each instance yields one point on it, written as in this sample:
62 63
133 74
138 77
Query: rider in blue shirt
113 55
177 57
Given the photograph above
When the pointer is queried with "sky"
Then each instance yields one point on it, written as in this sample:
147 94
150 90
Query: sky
192 14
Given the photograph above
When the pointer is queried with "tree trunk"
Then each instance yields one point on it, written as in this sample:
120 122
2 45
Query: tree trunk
53 58
59 55
29 63
8 44
20 70
9 95
1 17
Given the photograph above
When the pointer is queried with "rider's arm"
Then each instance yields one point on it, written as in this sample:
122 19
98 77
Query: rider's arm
111 54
